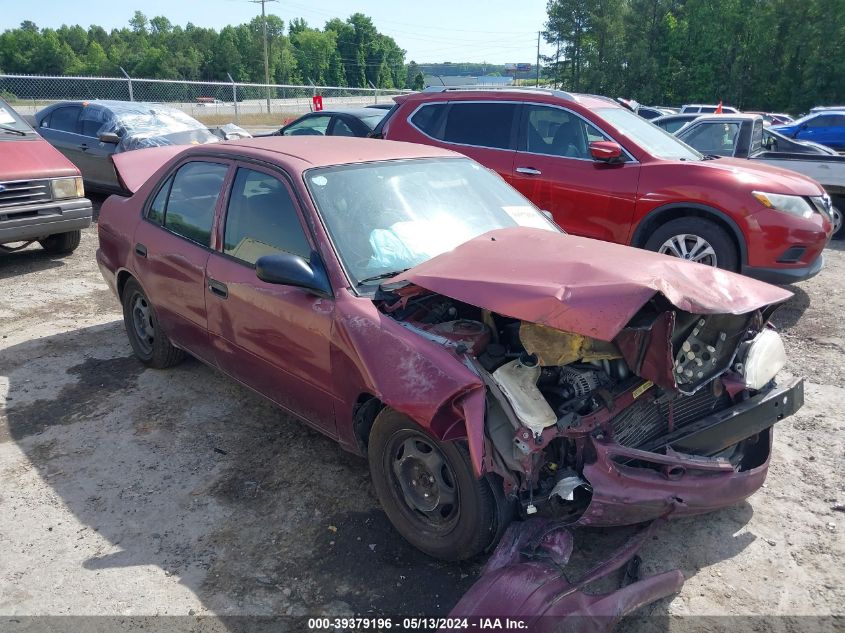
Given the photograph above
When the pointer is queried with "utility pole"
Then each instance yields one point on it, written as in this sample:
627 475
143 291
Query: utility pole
266 57
538 58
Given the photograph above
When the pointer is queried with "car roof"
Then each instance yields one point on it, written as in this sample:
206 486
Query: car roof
358 112
322 151
547 95
729 116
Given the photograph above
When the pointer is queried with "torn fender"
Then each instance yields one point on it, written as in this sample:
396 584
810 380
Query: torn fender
524 580
372 353
580 285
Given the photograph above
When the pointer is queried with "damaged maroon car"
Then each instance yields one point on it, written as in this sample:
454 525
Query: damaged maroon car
408 303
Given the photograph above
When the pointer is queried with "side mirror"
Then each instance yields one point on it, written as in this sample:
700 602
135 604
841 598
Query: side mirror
109 137
606 151
291 270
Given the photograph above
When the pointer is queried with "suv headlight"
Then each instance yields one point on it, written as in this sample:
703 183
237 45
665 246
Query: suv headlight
793 205
67 188
764 358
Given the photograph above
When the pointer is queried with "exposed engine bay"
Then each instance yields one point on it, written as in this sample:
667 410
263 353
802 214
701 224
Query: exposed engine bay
662 398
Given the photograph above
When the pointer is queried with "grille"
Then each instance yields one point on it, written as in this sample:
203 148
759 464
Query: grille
24 192
647 420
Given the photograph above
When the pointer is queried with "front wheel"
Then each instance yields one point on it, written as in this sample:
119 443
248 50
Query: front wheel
836 212
429 492
696 240
62 243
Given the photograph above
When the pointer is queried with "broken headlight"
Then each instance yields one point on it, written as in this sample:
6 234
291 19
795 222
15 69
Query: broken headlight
763 359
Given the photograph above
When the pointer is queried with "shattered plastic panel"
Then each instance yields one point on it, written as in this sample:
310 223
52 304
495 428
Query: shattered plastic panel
525 580
580 285
142 125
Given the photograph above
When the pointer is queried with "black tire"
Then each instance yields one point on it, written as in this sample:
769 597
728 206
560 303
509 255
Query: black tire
153 349
61 243
722 247
839 205
478 515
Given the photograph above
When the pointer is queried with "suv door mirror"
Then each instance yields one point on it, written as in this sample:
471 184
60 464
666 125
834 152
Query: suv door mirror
292 270
606 151
109 137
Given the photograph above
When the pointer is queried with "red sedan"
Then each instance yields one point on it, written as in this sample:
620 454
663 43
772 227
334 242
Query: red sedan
408 303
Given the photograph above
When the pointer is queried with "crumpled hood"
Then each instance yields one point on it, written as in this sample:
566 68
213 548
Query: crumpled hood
578 284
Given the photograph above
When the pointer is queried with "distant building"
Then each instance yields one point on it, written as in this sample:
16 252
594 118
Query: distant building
489 80
466 80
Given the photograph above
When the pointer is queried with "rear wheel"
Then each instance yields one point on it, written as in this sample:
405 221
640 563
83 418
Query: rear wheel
429 492
149 343
696 240
61 243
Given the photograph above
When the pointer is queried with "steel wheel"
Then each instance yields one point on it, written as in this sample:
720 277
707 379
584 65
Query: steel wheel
424 480
143 324
836 219
690 247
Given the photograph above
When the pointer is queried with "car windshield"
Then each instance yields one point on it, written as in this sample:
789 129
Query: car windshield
386 217
651 138
11 123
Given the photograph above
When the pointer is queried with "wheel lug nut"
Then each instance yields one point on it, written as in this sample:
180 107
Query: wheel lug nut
431 480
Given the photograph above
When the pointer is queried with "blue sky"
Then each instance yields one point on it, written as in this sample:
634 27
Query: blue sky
495 31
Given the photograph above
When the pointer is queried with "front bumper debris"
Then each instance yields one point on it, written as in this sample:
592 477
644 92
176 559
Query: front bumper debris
524 581
682 476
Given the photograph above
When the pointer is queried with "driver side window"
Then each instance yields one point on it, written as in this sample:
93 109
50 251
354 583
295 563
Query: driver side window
557 132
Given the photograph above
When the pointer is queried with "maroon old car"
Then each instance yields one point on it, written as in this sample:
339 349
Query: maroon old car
408 303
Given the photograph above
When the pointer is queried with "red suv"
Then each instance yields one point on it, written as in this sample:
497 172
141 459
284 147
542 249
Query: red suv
603 172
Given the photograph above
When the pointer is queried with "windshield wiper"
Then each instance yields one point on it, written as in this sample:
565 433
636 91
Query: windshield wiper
380 276
13 130
711 156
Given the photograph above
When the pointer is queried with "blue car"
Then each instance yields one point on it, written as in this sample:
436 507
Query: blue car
826 127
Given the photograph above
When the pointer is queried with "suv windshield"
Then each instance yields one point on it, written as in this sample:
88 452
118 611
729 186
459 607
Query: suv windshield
386 217
11 123
651 138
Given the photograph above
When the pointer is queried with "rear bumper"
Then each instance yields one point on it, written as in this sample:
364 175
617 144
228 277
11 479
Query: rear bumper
783 276
624 494
33 222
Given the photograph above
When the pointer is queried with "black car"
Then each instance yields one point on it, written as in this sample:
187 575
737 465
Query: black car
89 132
340 122
673 122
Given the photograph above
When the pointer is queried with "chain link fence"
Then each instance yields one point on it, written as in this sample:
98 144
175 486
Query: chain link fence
209 101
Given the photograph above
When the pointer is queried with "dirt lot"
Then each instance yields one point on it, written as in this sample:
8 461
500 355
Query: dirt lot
126 491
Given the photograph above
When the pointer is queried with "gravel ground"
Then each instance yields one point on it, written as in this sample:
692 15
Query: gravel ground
128 491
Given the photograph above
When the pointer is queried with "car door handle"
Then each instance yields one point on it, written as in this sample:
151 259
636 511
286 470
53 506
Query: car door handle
218 288
529 170
83 147
140 250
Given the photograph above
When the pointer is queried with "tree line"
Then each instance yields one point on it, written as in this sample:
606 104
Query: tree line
343 53
774 55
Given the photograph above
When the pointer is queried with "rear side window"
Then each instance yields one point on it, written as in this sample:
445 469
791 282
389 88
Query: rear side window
429 119
262 219
65 119
480 124
156 211
191 198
